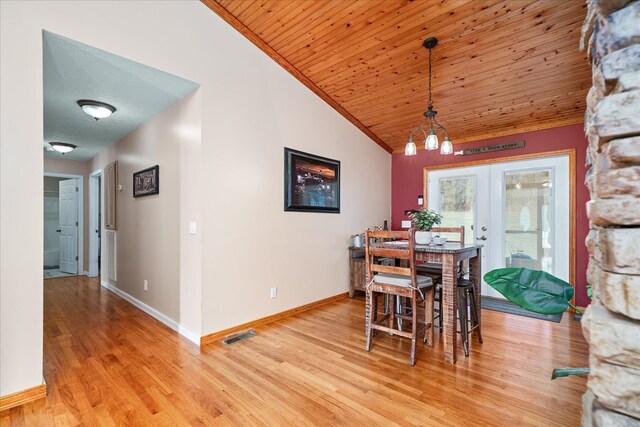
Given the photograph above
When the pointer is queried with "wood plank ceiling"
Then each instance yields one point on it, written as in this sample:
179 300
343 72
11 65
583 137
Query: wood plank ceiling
500 67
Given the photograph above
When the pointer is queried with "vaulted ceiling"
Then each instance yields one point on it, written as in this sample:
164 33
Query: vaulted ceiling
500 67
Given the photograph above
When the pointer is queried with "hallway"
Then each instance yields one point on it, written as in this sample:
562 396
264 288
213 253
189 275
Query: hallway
107 362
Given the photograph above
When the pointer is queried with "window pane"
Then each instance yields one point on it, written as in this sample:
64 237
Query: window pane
457 202
528 224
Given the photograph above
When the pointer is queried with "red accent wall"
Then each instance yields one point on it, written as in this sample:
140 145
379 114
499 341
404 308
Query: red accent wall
406 180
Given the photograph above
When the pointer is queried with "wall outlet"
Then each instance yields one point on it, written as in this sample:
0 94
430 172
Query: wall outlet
193 227
146 285
406 224
274 292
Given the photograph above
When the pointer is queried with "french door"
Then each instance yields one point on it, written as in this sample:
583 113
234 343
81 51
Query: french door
518 210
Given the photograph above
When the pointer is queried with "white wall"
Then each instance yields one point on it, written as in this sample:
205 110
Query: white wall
148 228
251 109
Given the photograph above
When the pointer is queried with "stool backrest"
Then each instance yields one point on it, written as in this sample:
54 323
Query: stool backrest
453 234
406 252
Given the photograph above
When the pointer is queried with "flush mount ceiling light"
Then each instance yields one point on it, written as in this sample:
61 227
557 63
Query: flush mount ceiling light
97 110
431 138
62 147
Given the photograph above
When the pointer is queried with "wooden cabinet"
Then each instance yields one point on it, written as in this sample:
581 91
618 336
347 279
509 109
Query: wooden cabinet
357 271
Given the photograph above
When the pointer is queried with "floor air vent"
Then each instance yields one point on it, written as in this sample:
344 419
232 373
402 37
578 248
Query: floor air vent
239 336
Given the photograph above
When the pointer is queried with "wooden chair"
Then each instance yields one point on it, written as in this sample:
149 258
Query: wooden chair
434 270
397 282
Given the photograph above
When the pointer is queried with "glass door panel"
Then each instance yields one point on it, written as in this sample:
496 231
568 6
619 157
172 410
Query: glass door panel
528 227
457 203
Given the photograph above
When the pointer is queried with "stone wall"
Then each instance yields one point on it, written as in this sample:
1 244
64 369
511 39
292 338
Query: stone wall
611 324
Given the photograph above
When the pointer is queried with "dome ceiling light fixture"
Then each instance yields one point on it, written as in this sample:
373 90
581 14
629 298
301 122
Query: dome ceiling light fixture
62 147
430 139
96 109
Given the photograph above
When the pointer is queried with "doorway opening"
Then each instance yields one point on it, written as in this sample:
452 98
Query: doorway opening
63 225
95 223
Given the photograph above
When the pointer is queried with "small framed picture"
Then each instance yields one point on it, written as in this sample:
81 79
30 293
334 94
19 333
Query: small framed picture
146 182
311 183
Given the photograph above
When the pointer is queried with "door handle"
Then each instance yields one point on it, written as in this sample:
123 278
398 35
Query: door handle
481 238
484 228
58 231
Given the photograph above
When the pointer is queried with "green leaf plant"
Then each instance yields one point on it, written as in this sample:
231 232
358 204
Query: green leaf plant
532 290
425 219
539 292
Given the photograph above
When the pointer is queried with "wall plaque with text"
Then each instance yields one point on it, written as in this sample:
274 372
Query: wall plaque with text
490 148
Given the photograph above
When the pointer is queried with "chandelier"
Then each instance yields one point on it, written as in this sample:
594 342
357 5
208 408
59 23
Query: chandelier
430 138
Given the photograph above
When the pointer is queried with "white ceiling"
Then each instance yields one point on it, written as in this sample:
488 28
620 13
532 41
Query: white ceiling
74 71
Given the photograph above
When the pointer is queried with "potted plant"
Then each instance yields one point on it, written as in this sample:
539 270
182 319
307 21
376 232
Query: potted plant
423 221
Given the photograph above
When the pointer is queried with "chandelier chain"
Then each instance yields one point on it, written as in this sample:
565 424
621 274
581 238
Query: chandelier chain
430 104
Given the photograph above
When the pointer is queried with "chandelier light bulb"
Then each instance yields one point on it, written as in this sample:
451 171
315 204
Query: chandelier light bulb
431 143
410 149
447 146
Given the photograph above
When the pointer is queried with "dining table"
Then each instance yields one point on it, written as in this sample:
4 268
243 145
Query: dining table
449 255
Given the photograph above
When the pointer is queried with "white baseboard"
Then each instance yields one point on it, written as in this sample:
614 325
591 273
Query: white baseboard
154 313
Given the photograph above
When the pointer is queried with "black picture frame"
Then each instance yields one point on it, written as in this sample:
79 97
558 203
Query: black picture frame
146 182
311 183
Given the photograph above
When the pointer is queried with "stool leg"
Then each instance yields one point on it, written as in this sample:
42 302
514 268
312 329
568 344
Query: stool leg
399 309
392 314
462 315
428 314
439 288
474 313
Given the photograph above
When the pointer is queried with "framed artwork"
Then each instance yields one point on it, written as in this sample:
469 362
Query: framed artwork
311 183
146 182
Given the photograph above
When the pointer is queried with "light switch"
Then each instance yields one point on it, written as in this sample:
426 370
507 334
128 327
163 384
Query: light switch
192 227
406 224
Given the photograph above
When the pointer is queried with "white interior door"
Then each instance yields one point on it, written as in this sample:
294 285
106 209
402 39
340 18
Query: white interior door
519 211
68 226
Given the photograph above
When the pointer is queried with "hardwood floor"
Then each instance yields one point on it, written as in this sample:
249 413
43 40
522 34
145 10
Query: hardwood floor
107 363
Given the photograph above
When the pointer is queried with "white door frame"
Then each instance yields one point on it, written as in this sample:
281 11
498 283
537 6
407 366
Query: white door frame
80 183
95 189
571 153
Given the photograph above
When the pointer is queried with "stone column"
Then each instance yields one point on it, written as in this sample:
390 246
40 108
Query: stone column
611 324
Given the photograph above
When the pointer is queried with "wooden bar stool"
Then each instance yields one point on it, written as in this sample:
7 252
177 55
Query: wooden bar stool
434 270
397 282
467 301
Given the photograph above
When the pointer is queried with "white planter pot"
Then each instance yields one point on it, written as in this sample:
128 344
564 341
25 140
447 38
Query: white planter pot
423 237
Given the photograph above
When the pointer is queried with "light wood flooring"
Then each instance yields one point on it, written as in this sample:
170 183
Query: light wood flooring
108 363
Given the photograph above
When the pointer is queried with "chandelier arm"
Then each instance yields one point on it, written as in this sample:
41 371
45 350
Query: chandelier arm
442 127
421 127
